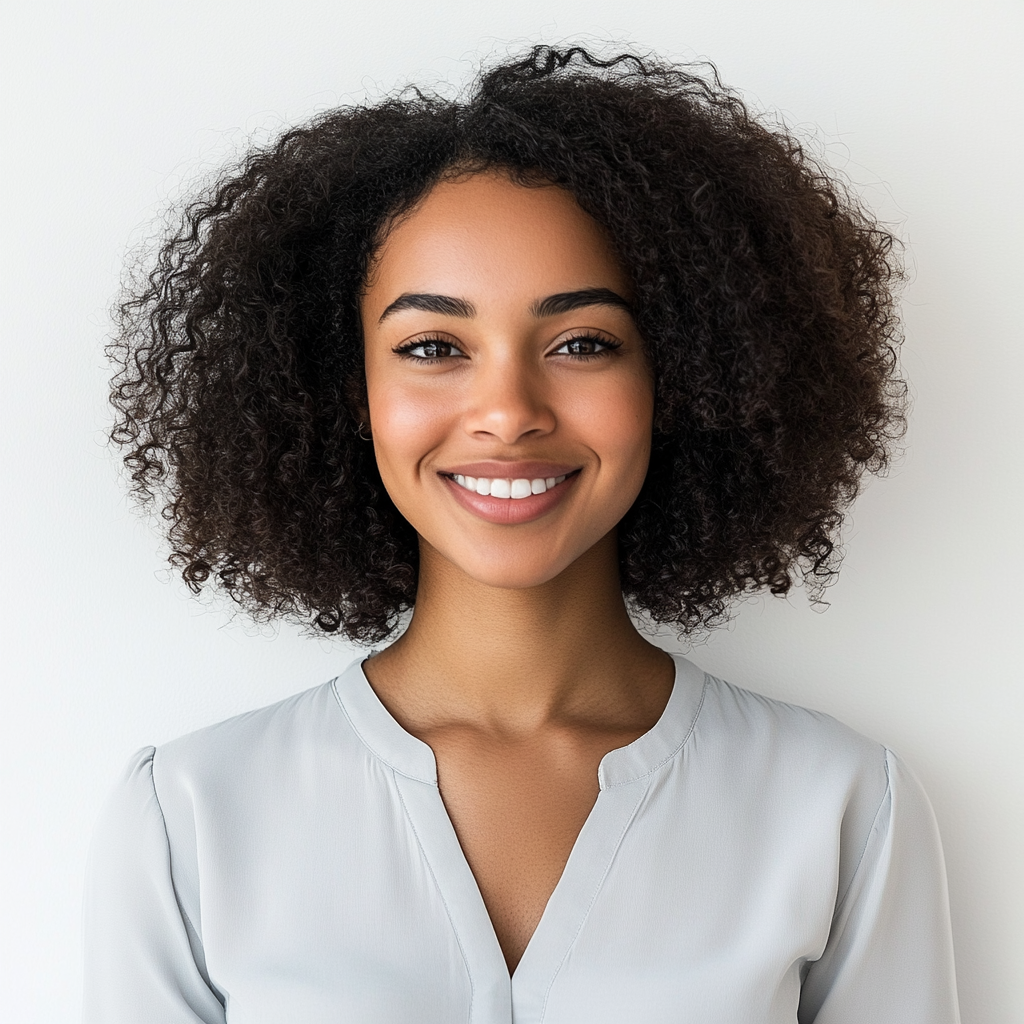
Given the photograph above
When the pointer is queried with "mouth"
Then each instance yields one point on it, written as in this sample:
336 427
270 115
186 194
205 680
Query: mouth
509 501
508 488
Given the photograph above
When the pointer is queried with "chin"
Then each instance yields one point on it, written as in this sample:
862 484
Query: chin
513 571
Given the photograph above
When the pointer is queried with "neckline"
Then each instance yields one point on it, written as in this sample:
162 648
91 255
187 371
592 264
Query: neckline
381 733
497 995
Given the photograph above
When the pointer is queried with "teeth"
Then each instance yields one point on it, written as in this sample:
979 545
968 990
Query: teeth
506 488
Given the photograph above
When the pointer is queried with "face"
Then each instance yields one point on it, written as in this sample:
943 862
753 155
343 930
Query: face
510 400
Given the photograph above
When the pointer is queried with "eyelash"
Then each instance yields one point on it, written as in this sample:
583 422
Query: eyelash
608 347
406 350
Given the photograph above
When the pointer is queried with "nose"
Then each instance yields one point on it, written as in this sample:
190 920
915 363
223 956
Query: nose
508 401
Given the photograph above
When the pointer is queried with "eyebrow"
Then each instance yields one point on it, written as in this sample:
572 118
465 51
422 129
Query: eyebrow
553 305
443 304
566 302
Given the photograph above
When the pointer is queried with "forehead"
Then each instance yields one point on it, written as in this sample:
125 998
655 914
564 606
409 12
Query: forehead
485 234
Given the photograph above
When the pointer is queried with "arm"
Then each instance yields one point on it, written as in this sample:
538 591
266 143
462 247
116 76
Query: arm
889 958
143 956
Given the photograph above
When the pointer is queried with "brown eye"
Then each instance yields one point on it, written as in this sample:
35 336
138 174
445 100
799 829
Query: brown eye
586 345
434 349
430 349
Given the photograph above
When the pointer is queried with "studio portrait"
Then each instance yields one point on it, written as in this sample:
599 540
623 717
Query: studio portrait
514 516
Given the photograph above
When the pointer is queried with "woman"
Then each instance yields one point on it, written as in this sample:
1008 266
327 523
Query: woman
592 341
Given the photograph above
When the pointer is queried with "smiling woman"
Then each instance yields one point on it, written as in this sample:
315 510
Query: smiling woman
525 364
593 341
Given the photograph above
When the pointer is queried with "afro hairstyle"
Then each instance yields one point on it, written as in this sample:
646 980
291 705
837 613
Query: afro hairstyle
763 291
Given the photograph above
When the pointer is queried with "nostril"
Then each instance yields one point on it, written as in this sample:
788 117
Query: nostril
510 421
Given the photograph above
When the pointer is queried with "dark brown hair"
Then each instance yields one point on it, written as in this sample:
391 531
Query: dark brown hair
762 290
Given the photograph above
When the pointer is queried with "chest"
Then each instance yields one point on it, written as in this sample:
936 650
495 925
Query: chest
376 913
517 809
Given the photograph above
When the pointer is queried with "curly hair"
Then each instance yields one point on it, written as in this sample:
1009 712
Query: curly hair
763 292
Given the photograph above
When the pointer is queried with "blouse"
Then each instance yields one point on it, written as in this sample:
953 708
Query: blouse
746 861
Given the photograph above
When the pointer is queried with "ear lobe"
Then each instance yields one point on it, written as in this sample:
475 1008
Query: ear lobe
356 398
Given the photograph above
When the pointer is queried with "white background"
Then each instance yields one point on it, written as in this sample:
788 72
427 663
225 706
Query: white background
110 109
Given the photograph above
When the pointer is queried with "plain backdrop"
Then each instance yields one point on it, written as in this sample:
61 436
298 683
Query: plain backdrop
110 110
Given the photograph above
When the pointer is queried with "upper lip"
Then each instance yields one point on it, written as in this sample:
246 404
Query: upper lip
525 470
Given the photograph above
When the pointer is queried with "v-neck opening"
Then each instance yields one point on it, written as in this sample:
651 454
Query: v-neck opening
524 990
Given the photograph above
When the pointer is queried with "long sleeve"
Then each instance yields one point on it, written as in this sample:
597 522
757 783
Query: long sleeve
889 959
143 957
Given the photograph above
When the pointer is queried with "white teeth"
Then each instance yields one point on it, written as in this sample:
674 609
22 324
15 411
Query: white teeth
506 488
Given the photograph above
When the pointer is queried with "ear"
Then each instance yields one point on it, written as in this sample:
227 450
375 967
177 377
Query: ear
356 398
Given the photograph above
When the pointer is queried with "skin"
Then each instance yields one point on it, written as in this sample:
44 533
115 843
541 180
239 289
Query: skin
520 667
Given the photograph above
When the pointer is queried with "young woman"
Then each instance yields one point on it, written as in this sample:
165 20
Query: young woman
592 341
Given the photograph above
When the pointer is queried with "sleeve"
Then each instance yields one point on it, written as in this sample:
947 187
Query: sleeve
889 957
141 962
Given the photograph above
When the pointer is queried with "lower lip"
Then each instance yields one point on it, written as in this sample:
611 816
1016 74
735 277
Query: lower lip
510 511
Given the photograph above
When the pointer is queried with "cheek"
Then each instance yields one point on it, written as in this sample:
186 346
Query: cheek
616 418
407 422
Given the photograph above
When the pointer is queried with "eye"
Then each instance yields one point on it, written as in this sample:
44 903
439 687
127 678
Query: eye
586 346
428 350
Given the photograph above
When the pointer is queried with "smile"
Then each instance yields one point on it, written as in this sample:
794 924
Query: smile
500 487
509 501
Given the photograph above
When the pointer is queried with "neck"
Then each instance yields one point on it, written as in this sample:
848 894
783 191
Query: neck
515 660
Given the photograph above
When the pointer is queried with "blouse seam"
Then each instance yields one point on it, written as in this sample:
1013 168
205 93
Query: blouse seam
595 894
682 743
440 890
369 746
177 899
841 902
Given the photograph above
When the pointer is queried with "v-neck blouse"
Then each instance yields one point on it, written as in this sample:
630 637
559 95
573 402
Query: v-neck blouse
746 862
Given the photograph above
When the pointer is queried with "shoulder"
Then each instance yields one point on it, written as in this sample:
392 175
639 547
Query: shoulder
771 756
774 762
256 763
250 742
231 754
777 732
227 779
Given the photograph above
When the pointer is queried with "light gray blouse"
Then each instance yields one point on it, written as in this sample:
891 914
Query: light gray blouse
746 862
